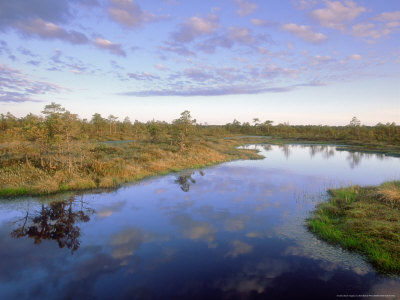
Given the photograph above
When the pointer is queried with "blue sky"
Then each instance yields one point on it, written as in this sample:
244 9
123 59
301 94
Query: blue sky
297 61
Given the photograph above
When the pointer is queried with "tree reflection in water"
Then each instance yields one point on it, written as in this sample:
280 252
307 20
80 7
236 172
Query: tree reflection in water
354 159
267 147
185 179
326 151
55 221
286 150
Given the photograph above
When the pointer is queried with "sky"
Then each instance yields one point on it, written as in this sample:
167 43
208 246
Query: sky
297 61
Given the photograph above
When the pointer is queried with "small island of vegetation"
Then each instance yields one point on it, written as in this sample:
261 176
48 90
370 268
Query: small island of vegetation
363 219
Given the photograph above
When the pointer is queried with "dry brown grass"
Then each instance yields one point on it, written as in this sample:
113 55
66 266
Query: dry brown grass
389 193
81 184
46 186
107 182
109 166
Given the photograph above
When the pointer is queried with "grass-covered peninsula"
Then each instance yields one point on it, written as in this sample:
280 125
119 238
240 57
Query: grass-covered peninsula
365 220
108 165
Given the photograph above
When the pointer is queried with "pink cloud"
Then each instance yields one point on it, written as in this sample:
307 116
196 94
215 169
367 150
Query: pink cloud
129 13
305 33
304 4
321 59
142 76
114 48
355 57
388 22
48 30
196 26
176 48
337 14
370 31
161 67
263 23
245 7
389 16
197 75
241 35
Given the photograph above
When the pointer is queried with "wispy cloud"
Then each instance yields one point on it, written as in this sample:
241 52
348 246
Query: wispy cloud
245 7
12 12
128 13
242 89
337 14
371 31
8 96
208 80
176 48
66 63
385 24
233 36
304 4
355 57
241 34
161 67
33 62
171 2
47 30
26 52
198 75
142 76
194 27
15 86
4 49
211 44
389 16
305 33
263 23
114 48
321 59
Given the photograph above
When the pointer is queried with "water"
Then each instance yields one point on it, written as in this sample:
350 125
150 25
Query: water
233 231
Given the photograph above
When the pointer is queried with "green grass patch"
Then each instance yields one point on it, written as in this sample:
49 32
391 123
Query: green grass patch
12 192
365 220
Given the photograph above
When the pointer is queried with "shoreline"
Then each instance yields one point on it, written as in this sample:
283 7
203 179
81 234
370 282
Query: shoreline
207 153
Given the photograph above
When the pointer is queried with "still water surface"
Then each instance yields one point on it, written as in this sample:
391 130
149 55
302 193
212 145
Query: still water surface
233 231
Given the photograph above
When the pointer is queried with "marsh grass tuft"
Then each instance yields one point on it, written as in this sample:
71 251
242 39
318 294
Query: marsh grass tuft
389 192
363 219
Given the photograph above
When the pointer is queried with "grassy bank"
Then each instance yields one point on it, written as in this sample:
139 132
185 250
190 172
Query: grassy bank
365 220
110 165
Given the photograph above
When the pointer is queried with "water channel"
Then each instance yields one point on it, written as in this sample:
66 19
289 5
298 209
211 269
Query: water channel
232 231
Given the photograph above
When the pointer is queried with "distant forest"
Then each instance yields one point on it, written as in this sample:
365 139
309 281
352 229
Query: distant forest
59 127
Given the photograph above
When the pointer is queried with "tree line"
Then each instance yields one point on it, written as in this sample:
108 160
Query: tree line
353 132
